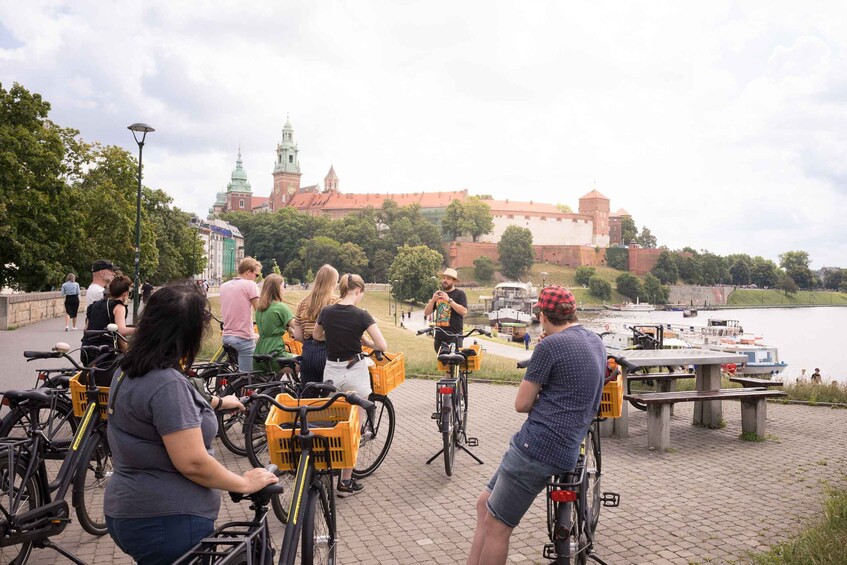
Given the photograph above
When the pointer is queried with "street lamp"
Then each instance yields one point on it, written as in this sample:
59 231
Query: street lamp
390 292
543 279
143 129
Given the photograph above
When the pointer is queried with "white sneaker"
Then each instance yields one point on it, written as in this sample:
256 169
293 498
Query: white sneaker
66 328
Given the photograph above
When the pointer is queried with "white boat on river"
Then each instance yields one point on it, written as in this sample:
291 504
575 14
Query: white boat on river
512 303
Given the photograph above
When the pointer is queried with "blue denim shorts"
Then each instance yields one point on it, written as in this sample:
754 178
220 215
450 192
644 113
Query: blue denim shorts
515 484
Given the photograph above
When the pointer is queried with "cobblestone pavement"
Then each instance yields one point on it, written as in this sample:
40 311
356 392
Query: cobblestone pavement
712 498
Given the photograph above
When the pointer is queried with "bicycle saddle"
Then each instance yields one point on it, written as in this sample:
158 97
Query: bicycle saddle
287 362
262 357
469 352
451 358
58 381
35 396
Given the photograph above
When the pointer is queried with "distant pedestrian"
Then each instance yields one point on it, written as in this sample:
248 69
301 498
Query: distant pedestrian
70 290
816 376
526 340
102 273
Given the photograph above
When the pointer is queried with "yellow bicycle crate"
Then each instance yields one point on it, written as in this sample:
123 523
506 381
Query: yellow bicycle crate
611 403
79 395
387 375
474 362
292 345
343 437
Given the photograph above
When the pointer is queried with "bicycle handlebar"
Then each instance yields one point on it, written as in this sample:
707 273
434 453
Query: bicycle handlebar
350 397
432 329
263 494
60 350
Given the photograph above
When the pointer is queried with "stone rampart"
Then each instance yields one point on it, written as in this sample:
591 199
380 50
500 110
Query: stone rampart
462 254
18 310
699 295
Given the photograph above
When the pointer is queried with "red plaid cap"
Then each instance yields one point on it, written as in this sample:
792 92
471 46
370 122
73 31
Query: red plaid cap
552 296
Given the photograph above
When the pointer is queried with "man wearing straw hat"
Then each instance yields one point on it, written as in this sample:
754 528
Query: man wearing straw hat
448 307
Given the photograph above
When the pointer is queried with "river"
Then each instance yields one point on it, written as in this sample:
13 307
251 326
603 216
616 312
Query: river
807 338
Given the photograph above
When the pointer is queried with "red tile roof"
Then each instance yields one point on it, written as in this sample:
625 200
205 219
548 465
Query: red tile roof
593 194
621 213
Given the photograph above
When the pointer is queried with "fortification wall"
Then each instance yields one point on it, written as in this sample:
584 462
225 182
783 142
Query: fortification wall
699 295
462 254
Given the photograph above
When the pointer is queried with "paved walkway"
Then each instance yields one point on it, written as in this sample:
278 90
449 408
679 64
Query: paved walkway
713 498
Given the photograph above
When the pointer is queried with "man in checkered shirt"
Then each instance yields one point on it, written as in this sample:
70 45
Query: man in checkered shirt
561 395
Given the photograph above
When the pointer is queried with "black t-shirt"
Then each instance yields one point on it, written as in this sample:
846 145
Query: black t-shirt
444 314
344 325
101 314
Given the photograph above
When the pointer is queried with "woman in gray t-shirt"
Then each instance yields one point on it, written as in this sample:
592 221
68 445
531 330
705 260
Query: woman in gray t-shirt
163 498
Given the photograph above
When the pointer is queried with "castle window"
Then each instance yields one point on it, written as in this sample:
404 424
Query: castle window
241 203
511 217
291 158
558 219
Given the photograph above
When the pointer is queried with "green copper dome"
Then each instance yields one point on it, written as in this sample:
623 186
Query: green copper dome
239 182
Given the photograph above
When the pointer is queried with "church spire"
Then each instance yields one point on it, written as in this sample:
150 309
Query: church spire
331 180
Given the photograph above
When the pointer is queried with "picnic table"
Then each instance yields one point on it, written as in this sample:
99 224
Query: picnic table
707 396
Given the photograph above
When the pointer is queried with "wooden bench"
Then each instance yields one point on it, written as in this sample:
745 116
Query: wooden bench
753 410
665 382
750 382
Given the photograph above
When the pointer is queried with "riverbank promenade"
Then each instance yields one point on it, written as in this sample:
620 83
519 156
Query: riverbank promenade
711 499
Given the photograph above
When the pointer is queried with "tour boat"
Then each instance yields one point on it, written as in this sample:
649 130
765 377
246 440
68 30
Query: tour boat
512 303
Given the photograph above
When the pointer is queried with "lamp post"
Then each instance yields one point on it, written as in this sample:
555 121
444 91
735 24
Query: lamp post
391 291
543 279
143 129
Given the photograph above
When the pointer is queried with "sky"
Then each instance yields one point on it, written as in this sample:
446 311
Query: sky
719 125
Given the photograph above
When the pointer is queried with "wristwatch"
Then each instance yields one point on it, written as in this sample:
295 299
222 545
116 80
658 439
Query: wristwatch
449 301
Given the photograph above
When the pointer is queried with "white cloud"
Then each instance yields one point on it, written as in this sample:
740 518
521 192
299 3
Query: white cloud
719 124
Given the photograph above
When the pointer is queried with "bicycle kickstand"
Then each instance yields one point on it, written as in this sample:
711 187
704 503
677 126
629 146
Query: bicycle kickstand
47 544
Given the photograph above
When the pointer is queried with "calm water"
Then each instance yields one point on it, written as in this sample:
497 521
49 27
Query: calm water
806 337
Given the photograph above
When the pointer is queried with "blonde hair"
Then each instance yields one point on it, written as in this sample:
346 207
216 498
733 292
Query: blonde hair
71 278
248 264
322 291
351 282
271 292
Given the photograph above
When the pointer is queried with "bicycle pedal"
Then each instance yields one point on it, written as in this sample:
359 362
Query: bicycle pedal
610 499
549 551
473 442
436 415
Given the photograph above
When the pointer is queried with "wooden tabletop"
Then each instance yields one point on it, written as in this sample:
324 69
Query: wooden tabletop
687 395
666 357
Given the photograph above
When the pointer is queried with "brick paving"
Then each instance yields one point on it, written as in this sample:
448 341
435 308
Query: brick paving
712 498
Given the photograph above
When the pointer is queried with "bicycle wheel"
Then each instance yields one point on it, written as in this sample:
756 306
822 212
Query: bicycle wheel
566 539
375 443
591 484
448 435
319 541
92 475
231 425
11 484
461 397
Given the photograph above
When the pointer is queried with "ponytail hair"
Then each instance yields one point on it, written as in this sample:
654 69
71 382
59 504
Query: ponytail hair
349 283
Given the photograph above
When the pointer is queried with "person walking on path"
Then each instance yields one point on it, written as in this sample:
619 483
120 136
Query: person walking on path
70 290
816 376
342 325
526 339
273 318
238 298
164 493
448 307
102 273
314 349
561 393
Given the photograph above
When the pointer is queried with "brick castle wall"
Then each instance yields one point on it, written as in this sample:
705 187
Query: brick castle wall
462 254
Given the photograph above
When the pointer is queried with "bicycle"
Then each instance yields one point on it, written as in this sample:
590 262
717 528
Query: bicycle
32 508
574 500
451 396
377 429
312 524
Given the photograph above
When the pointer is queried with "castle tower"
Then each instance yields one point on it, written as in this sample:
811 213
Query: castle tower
286 169
331 180
596 205
239 195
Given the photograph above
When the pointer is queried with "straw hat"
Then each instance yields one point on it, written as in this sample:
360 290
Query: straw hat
451 273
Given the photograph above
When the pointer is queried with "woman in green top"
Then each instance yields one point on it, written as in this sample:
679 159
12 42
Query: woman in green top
273 318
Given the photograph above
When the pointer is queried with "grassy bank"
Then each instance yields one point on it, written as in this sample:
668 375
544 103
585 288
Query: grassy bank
760 297
823 542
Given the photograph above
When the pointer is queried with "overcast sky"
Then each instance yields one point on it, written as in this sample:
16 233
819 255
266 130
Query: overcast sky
719 125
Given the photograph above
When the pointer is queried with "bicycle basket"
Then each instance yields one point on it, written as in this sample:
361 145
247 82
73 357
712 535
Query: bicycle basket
79 396
611 403
474 362
292 345
343 438
387 375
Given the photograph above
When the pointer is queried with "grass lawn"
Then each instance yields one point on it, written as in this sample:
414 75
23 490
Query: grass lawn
761 297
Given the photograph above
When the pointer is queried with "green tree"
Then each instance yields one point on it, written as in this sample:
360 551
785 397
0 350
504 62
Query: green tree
833 278
516 252
842 287
654 292
584 274
275 267
564 208
599 287
477 217
414 268
483 269
740 273
618 258
452 224
690 269
629 285
786 284
293 270
646 239
796 266
764 273
713 269
351 259
179 249
665 268
318 251
629 232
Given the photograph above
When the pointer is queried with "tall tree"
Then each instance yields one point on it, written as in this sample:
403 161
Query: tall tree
764 273
452 224
665 268
786 284
351 259
629 285
483 269
564 208
833 278
629 232
740 272
477 217
646 239
318 251
796 266
654 292
516 252
617 258
415 268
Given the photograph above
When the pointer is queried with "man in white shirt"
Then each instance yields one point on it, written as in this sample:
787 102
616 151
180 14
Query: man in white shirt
102 273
